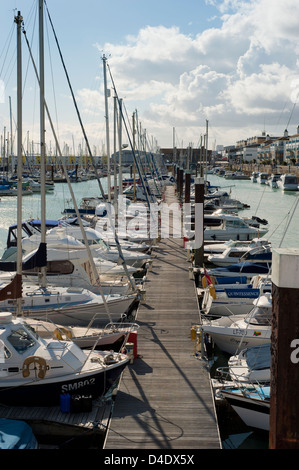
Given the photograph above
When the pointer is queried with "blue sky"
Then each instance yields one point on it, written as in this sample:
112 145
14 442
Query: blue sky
177 62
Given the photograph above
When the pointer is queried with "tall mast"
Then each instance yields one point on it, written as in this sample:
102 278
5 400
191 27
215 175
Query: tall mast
42 133
11 141
120 175
107 127
114 153
18 21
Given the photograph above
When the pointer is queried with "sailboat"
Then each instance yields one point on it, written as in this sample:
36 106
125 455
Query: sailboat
36 371
251 403
61 304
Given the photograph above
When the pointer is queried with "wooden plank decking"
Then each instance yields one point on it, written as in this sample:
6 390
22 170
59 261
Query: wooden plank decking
165 398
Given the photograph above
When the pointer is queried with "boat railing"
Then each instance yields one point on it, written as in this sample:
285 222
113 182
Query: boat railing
112 327
248 388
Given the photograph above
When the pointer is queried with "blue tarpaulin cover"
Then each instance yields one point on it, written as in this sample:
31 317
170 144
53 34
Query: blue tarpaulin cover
15 434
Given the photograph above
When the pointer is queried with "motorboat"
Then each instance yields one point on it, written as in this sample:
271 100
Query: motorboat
221 247
262 177
251 403
251 365
217 199
273 180
235 332
254 176
72 268
99 247
242 269
288 182
129 245
236 175
35 371
233 228
31 227
87 206
230 255
36 185
238 254
253 221
64 236
234 300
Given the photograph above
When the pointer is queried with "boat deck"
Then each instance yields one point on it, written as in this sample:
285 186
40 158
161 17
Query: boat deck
165 398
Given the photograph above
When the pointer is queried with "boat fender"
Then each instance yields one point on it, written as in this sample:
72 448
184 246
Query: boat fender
212 291
204 282
58 333
36 360
193 334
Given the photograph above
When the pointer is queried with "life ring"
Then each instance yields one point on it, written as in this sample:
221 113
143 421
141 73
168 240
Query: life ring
58 333
36 360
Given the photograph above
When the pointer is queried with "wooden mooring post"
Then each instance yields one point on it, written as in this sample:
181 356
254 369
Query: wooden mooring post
187 186
199 224
284 402
181 187
178 175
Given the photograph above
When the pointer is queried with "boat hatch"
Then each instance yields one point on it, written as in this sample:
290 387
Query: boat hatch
20 340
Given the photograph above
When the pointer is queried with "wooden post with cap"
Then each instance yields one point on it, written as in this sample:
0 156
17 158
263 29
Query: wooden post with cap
199 223
284 403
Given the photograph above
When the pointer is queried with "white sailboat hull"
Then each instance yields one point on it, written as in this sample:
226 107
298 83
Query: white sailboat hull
68 307
254 413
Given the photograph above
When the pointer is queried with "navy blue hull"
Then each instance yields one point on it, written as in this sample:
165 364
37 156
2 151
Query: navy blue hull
42 393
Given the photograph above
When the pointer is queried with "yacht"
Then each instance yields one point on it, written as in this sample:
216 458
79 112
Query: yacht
254 176
262 178
237 254
273 180
233 228
288 182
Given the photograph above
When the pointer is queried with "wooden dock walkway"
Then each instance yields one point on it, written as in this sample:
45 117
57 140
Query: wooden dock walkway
165 398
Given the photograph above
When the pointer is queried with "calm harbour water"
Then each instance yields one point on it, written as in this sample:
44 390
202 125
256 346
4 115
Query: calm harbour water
274 205
56 202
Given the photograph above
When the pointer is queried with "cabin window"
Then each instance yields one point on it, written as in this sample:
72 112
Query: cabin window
291 180
260 316
32 330
235 223
55 267
60 267
20 340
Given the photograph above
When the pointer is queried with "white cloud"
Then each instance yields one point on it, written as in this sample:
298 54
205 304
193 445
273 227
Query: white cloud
238 76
